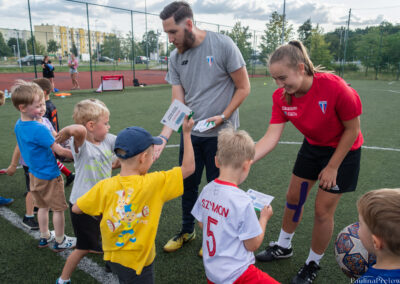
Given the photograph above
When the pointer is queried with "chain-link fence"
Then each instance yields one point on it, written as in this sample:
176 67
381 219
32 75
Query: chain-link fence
124 40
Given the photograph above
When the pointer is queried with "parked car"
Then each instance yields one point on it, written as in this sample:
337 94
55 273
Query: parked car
105 59
141 60
164 60
28 60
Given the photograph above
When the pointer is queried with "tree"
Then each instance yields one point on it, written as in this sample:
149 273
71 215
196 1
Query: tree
39 48
4 48
305 31
112 47
319 49
241 36
152 38
52 46
272 35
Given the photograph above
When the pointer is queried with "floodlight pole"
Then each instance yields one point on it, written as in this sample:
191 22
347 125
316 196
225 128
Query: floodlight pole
90 45
283 22
19 53
147 35
133 48
33 42
346 37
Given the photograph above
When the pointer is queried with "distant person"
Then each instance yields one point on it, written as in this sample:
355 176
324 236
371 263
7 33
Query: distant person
3 200
73 70
48 70
236 232
37 144
60 59
131 202
208 74
379 231
327 112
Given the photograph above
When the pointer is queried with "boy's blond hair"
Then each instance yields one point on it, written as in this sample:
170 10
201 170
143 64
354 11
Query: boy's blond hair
2 98
89 110
380 210
24 93
45 84
234 148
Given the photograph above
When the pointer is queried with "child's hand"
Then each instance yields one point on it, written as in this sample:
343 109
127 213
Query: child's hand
187 125
11 170
62 136
266 212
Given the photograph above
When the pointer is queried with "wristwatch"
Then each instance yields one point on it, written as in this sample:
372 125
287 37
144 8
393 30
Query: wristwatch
223 117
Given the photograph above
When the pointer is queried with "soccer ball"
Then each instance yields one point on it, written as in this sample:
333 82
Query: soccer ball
350 254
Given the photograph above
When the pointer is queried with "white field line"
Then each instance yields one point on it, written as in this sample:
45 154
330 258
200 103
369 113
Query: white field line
299 143
86 264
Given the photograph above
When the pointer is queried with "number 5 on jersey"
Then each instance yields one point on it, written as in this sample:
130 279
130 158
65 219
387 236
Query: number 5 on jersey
210 233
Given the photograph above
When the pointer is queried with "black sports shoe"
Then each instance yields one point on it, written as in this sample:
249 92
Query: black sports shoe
70 179
274 252
30 223
306 274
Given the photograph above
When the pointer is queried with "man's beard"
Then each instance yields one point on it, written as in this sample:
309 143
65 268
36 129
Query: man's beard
188 41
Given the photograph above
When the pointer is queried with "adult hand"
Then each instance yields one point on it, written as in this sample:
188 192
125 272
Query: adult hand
217 120
158 149
327 178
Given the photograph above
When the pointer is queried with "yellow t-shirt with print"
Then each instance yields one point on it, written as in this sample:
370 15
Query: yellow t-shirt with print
131 208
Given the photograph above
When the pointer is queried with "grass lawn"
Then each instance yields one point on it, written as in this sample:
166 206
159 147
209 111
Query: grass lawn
22 262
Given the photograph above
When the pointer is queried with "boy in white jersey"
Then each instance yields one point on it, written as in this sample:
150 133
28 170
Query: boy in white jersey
232 231
92 147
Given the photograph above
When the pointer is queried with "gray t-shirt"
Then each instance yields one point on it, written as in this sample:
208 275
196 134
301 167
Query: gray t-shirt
204 73
93 163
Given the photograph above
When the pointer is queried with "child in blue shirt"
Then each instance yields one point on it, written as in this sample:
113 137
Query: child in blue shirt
37 144
379 218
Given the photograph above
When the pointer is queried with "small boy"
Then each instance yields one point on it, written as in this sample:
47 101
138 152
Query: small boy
131 202
231 230
92 148
4 201
379 231
37 144
51 114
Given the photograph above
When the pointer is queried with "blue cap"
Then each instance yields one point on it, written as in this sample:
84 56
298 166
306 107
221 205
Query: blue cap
134 140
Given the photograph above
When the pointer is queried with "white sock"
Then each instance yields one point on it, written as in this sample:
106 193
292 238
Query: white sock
314 257
45 235
62 281
29 216
285 239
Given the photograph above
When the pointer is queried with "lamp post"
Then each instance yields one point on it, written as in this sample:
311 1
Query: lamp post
19 54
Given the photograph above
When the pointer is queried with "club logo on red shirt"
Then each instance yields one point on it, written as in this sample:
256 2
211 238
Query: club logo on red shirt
322 105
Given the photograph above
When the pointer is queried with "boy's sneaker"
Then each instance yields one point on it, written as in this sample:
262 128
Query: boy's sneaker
5 201
30 223
43 242
68 243
58 281
70 179
274 252
178 240
306 274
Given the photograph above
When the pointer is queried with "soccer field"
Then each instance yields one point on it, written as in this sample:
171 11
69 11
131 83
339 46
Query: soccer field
22 262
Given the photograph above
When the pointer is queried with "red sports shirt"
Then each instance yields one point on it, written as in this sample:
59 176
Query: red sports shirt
318 115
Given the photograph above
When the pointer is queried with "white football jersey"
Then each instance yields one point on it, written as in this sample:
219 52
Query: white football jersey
228 218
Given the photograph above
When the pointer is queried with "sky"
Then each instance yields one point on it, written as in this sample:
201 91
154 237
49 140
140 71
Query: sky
253 13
